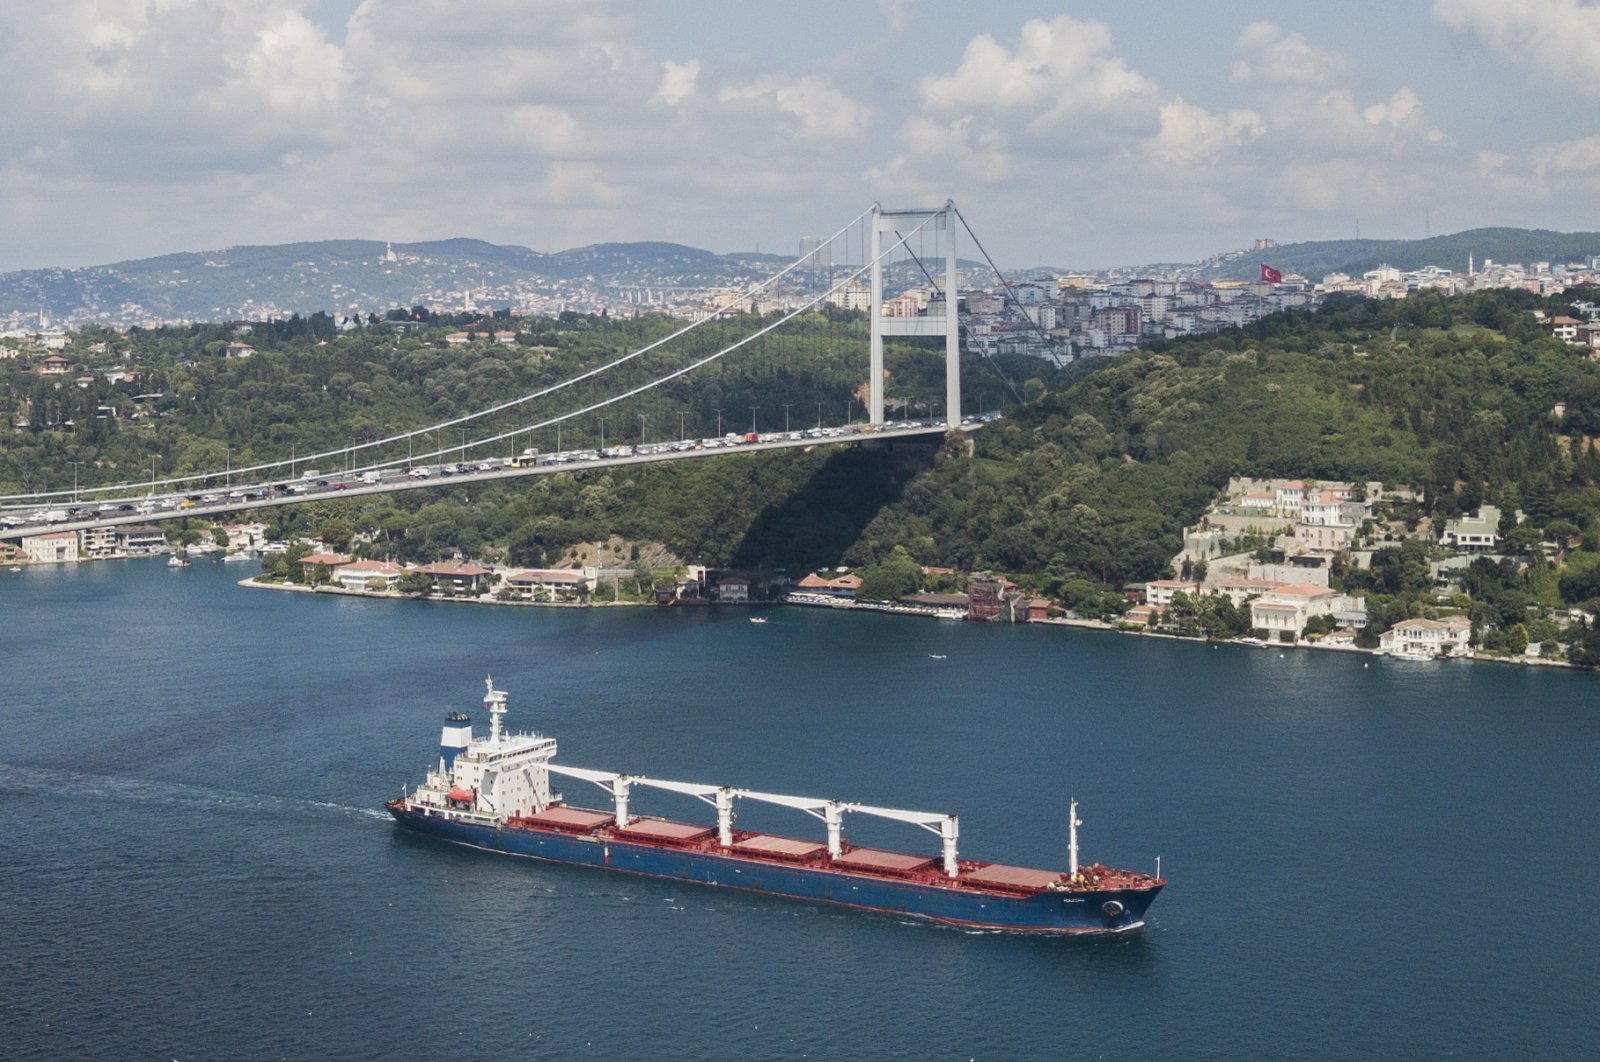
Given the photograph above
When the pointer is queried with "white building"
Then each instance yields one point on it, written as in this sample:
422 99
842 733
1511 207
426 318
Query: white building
57 547
1284 610
1477 533
1159 592
1425 638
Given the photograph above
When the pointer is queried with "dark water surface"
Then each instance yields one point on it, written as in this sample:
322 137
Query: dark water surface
1392 861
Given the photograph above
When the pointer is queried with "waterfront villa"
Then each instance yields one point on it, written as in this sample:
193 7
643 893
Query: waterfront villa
360 575
455 575
1426 638
550 584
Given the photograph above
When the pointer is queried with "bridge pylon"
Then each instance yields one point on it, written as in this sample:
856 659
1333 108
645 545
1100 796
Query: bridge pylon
941 220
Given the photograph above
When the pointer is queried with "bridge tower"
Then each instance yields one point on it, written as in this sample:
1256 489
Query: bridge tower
942 220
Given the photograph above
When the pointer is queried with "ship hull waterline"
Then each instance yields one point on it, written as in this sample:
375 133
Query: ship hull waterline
1047 912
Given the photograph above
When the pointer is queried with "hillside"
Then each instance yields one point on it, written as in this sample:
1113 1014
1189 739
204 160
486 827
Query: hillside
346 276
1314 260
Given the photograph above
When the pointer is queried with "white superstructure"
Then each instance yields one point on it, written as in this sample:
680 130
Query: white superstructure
490 778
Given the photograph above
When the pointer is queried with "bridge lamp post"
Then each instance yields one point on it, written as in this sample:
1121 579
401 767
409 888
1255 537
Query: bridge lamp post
819 416
681 415
786 406
641 427
602 433
719 423
74 465
153 474
753 418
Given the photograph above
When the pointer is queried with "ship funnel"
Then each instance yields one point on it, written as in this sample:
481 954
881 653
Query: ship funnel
454 739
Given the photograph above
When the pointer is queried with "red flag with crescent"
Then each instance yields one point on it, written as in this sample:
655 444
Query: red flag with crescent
1270 275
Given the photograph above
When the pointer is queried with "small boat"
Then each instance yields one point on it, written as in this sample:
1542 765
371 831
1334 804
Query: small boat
176 561
758 619
238 556
937 656
16 567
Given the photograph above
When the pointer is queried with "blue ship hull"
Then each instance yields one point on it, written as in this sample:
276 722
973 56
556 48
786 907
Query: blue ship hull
1099 911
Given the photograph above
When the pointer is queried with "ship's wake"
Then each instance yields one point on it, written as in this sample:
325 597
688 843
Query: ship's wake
22 780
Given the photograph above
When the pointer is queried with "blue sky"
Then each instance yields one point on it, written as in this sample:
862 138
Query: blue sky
1077 134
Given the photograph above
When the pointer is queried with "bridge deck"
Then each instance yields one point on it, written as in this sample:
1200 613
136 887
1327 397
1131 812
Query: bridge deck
143 508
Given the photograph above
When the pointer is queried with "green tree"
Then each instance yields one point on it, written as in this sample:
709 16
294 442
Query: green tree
895 577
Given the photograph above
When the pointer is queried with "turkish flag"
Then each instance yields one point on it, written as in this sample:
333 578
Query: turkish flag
1270 275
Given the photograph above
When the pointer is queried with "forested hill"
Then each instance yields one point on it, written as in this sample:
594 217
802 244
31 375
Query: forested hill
1452 395
1316 259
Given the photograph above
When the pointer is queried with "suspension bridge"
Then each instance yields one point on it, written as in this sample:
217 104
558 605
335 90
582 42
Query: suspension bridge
876 244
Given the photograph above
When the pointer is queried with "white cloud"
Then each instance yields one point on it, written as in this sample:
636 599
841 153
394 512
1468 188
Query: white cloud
822 110
1268 54
1568 156
1191 134
897 13
1057 69
1560 37
678 82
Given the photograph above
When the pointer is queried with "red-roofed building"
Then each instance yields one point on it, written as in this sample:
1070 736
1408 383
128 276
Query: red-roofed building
456 575
1565 328
842 586
331 560
367 574
551 584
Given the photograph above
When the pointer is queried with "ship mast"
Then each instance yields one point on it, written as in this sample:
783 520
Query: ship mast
1073 822
494 702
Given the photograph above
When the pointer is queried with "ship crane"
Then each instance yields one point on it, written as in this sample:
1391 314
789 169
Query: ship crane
831 812
945 827
612 782
718 796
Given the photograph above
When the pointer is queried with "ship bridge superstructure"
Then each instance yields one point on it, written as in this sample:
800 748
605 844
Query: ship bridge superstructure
489 779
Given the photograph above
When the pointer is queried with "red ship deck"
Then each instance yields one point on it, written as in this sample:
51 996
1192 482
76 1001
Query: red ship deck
780 847
664 830
565 818
876 859
1002 876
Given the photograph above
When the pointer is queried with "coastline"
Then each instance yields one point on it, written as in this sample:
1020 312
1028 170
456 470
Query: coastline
843 605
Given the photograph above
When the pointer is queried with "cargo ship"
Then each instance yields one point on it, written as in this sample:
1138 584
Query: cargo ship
494 793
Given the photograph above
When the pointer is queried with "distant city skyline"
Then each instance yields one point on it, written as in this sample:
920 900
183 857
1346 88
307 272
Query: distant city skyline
1082 135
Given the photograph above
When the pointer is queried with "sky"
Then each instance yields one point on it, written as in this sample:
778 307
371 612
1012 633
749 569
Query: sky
1082 134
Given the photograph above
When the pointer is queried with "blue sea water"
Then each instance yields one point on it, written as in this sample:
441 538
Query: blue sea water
1394 860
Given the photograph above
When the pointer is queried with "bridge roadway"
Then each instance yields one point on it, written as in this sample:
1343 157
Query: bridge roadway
17 522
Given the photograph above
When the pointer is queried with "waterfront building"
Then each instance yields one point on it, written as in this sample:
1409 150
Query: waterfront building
137 539
1451 636
549 584
55 547
365 574
456 575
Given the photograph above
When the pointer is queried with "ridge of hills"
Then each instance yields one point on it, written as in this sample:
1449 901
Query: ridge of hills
352 275
348 276
1316 259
